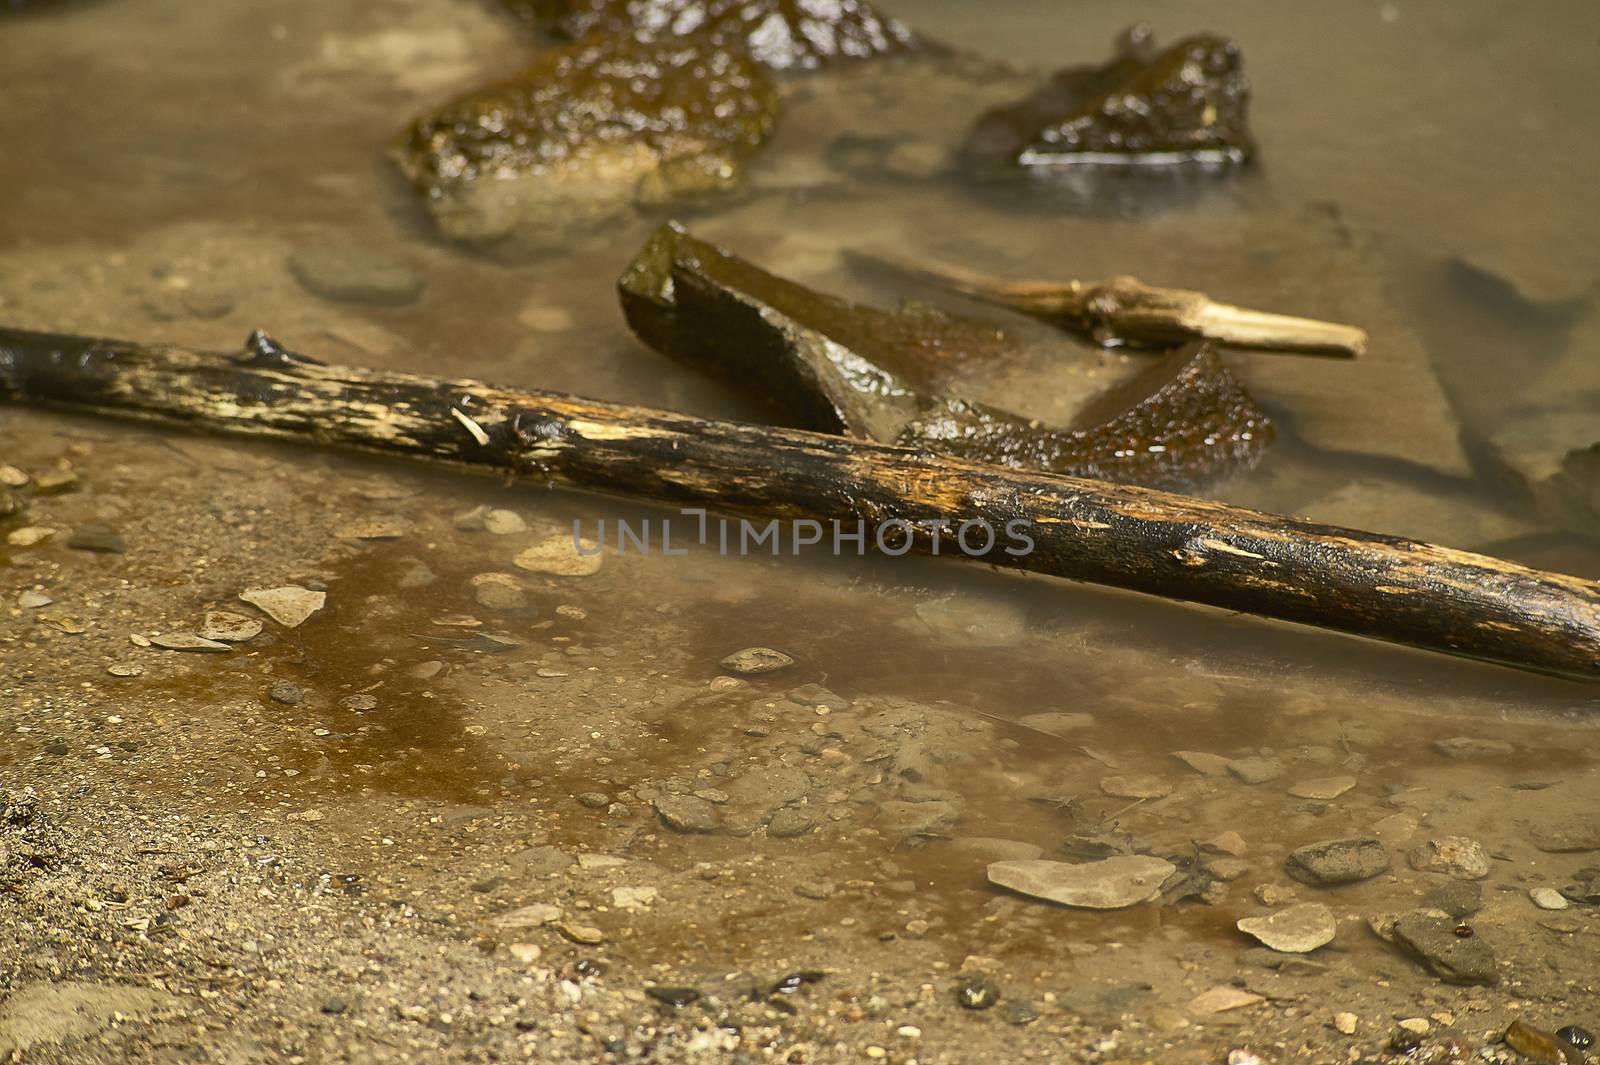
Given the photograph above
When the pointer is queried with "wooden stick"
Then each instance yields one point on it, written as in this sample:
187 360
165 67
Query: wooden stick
1124 310
1136 538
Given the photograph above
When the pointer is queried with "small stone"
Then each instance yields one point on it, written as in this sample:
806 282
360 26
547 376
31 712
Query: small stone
676 997
977 993
1337 861
188 641
540 913
1454 856
360 703
1274 894
1221 999
286 692
1458 898
817 890
55 482
97 538
125 669
32 600
1324 788
1396 829
12 477
633 898
1135 787
499 522
525 953
594 800
289 605
334 1006
499 591
591 861
1419 1025
1548 898
1108 884
542 318
559 556
1294 930
1472 747
588 935
755 660
29 535
1255 770
1346 1023
1575 1036
370 529
1225 869
350 274
1580 832
817 695
686 813
791 821
229 627
1057 723
1433 942
1229 843
426 670
1210 765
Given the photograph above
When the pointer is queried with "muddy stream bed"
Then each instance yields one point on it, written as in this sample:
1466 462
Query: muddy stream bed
493 801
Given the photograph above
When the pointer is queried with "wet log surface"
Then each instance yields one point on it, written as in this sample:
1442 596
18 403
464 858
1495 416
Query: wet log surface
1123 536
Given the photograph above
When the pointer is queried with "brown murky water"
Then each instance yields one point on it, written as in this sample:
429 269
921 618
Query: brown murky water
1425 173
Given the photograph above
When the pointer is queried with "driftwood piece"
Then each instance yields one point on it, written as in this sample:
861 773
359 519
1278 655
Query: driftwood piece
1126 311
1128 537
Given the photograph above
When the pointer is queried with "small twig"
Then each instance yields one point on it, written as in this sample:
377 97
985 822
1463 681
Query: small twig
1123 310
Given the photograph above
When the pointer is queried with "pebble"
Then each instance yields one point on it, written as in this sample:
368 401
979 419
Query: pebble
817 890
1419 1025
588 935
1226 869
594 800
1454 856
286 692
12 477
816 695
526 953
1458 898
1580 832
1346 1023
1223 998
1211 765
32 600
686 813
1324 788
229 627
540 913
1273 894
1295 929
755 660
1255 770
1337 861
1135 787
1229 843
360 702
289 605
676 997
977 993
1548 898
1108 884
55 482
29 535
349 274
499 591
791 821
1472 747
334 1006
633 898
188 641
500 522
1433 942
558 556
125 669
97 538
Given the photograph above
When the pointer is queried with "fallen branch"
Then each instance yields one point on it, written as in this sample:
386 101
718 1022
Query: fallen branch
1125 310
1136 538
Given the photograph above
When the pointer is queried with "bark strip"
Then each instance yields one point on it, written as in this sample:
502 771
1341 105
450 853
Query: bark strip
1149 541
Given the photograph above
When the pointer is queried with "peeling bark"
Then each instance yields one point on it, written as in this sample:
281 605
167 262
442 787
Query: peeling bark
1127 537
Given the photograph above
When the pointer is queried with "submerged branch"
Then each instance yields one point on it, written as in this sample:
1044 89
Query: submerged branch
1124 310
1141 539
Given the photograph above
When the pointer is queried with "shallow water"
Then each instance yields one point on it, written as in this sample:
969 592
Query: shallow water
157 149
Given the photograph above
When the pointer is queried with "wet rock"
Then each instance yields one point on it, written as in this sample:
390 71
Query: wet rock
1395 829
1255 769
29 535
587 935
56 482
1454 856
188 641
791 821
286 692
1540 1046
1585 887
687 813
634 898
594 800
816 695
1575 1036
586 132
1337 861
1472 747
977 993
1108 884
676 997
1433 943
350 274
559 556
816 890
1459 898
289 605
1225 869
1579 832
125 669
540 913
1221 999
360 702
1295 929
1211 765
755 660
542 860
498 522
1229 843
97 538
228 627
987 849
33 600
1057 723
1548 898
780 34
1324 788
1185 104
908 819
1135 787
499 591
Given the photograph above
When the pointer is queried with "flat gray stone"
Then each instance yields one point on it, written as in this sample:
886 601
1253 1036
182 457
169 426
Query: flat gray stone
1108 884
289 605
1454 856
1337 861
1294 929
756 660
1255 770
1432 942
188 641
